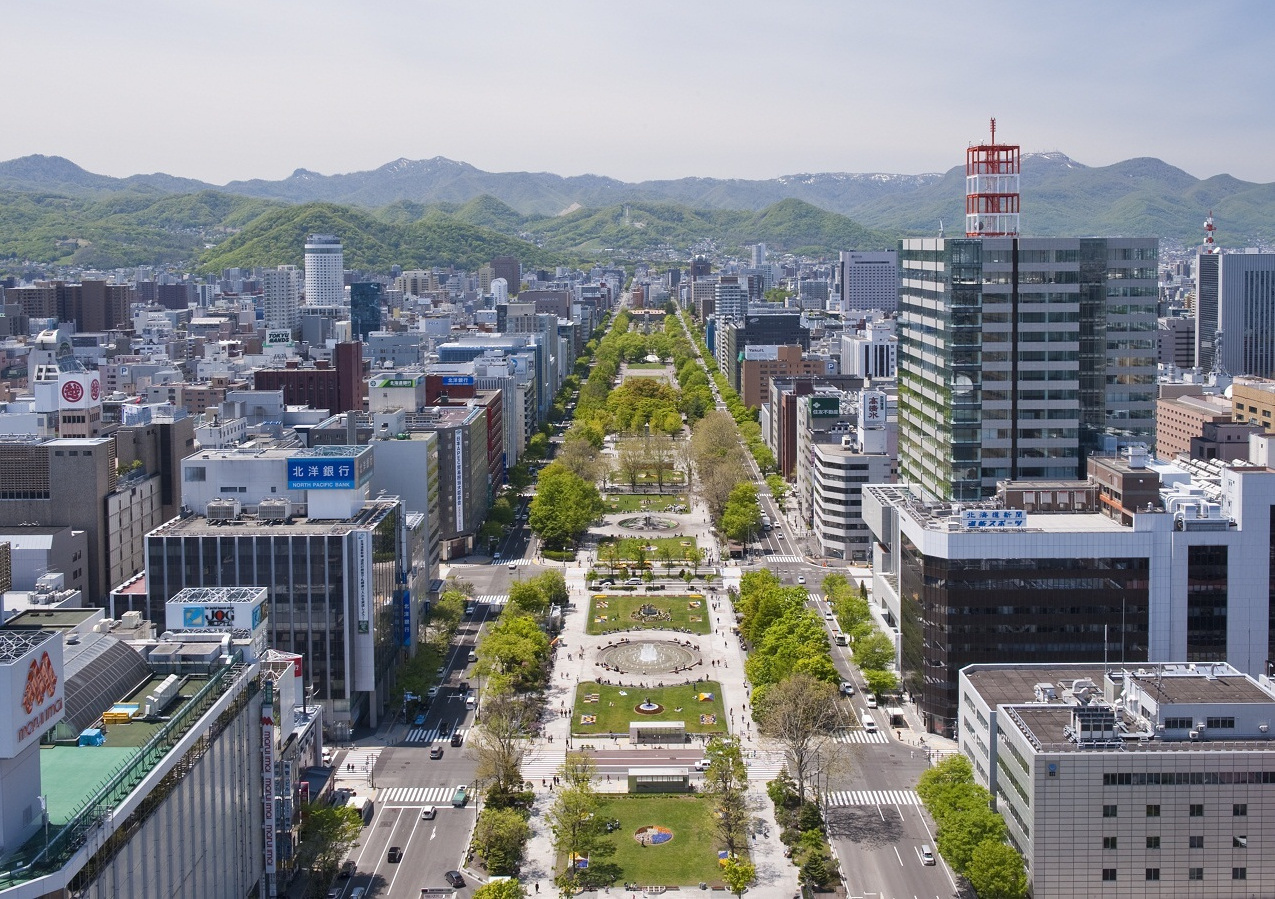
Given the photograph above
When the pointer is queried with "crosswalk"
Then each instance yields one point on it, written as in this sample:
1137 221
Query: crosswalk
428 734
517 562
357 764
492 599
765 765
840 798
858 735
416 795
543 761
788 559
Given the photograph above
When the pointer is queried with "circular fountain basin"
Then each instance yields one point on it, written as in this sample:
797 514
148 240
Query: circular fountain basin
649 657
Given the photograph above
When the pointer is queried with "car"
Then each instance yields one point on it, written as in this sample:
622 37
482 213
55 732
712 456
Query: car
457 738
347 868
429 814
454 878
473 656
607 583
869 725
395 854
513 566
871 701
436 752
847 688
633 582
442 671
927 855
470 609
828 616
432 693
801 578
444 728
702 764
419 720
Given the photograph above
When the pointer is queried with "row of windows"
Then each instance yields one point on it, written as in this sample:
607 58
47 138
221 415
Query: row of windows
1109 874
1184 778
1188 723
1195 810
1239 841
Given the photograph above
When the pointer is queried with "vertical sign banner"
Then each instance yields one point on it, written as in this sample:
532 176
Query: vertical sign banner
268 786
460 481
364 586
407 618
285 847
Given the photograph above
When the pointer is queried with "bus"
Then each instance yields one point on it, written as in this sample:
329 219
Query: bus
363 805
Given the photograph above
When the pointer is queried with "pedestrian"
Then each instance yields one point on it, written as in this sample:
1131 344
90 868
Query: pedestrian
537 887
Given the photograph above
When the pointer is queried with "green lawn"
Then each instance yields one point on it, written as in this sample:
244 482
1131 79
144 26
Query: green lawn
686 860
613 712
682 610
629 546
643 502
640 366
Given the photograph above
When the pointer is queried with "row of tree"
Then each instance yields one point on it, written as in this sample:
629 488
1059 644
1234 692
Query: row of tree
872 650
971 836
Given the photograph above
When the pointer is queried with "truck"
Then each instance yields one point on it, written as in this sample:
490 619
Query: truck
461 796
363 805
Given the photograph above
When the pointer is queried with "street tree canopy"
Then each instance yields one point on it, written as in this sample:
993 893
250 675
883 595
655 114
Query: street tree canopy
563 507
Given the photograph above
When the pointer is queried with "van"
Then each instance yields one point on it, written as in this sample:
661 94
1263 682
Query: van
927 855
842 640
765 522
869 725
471 702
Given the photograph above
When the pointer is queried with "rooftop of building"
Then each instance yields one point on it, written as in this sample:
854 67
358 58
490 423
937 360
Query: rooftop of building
335 451
1008 684
52 619
1211 404
199 526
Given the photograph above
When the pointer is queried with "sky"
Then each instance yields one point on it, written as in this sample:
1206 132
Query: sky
223 90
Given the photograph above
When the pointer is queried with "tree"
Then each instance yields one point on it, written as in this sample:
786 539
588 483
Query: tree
515 649
527 597
875 651
580 457
574 822
996 871
738 874
499 836
742 516
500 740
630 460
961 832
501 889
778 487
564 506
726 780
801 713
660 455
880 682
553 586
327 836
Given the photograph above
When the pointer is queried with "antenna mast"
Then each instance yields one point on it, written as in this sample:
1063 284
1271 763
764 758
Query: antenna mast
991 189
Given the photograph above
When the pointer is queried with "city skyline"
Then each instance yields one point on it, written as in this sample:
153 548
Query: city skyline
596 89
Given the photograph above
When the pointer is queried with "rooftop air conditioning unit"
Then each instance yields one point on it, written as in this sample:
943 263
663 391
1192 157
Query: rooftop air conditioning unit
223 509
275 509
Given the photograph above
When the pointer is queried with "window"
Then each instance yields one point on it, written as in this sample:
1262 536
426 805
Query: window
1196 842
1178 724
1194 873
1108 873
1153 811
1239 842
1240 810
1239 874
1108 811
1153 873
1220 723
1108 842
1197 811
1153 842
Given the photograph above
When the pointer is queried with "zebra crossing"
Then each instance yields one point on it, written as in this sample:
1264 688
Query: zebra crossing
788 559
492 599
543 762
428 734
858 735
416 795
518 562
765 765
840 798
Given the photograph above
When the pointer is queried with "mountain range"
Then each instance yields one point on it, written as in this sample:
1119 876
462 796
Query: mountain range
53 210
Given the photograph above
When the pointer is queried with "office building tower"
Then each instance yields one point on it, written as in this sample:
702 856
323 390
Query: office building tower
324 271
281 295
509 268
869 281
758 252
730 298
1018 356
1235 313
365 308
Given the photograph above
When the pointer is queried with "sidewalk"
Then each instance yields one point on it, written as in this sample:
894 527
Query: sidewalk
576 661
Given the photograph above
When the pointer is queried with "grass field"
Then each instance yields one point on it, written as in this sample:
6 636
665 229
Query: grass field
613 712
646 366
686 860
643 502
628 547
618 612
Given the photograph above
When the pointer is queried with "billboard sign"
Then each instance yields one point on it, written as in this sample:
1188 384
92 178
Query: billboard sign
993 518
328 474
872 410
79 390
458 380
825 407
278 337
406 610
35 689
460 480
394 382
268 785
768 353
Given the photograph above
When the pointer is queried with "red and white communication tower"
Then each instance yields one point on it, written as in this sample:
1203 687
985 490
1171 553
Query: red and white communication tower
1209 228
991 189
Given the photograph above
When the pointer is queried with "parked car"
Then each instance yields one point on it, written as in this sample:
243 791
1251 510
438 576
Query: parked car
702 764
454 878
432 693
473 656
347 868
633 582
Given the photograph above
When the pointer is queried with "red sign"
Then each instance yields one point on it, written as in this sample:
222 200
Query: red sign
42 683
72 391
95 389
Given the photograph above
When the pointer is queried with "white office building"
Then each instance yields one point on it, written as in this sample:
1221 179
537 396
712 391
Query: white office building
869 281
281 297
1128 781
324 271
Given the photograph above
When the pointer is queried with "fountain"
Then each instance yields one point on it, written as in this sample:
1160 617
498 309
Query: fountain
648 654
649 657
647 707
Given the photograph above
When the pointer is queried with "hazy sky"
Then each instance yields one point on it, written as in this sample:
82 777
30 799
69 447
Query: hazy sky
230 89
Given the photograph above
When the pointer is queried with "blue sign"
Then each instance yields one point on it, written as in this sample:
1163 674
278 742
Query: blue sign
320 474
407 618
192 616
458 380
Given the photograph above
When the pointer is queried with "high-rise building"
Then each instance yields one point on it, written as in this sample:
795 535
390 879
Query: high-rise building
509 268
324 270
1235 313
1017 356
365 308
281 288
869 281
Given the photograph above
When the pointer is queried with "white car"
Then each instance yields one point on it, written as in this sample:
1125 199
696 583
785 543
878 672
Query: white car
702 765
801 578
847 688
871 701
